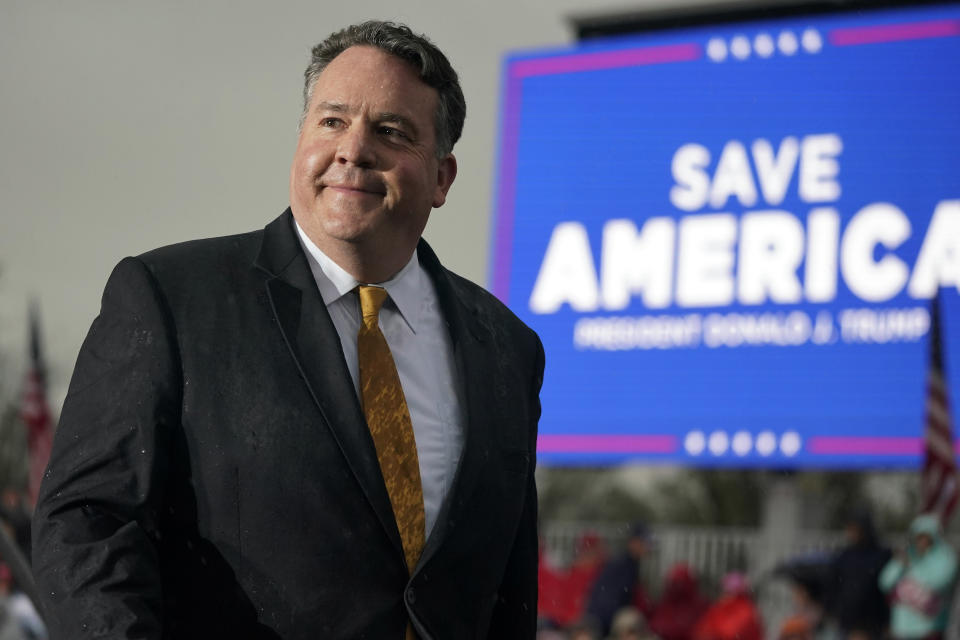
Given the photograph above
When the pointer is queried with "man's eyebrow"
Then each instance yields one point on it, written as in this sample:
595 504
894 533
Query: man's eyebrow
337 107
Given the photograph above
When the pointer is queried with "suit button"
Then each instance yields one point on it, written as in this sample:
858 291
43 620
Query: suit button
411 596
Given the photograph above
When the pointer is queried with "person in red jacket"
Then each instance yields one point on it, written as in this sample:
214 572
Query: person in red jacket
733 616
549 588
564 592
680 606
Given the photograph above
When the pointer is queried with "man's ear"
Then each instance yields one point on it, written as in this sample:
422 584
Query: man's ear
446 172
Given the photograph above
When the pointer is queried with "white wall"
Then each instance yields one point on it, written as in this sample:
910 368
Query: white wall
125 125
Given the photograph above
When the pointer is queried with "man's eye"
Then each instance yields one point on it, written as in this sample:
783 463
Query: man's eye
392 132
330 122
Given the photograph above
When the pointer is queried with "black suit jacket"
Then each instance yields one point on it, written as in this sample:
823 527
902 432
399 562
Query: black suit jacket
212 474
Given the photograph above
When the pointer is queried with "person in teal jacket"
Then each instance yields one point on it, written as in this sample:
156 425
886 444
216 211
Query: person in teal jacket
920 582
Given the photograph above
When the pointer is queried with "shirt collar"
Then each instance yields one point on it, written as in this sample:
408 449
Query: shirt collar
405 288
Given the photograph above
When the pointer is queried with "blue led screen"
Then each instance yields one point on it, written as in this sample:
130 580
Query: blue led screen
728 238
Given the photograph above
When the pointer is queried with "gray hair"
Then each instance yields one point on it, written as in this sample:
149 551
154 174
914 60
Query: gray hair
398 40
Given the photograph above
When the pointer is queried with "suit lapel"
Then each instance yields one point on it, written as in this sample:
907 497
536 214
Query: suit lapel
315 346
471 340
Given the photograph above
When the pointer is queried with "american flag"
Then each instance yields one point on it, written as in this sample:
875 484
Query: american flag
34 410
939 490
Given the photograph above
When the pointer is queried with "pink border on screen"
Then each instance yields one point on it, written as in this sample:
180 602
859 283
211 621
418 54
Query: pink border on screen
893 32
606 60
598 443
866 446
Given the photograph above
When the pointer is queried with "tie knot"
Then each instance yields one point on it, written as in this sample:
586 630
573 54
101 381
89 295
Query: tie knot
371 299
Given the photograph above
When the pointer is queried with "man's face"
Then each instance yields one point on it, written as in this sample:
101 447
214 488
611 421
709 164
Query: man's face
637 547
852 533
365 174
923 543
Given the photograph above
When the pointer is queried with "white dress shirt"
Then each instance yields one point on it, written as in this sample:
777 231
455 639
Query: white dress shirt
413 324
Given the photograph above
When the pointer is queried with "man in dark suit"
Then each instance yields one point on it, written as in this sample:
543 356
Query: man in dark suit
239 455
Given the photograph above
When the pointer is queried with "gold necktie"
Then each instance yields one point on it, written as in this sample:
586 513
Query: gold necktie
388 419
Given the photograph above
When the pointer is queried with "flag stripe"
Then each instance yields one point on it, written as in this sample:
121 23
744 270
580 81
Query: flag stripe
939 475
939 447
34 410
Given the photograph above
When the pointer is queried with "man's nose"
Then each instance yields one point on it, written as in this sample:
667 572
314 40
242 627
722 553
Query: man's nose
357 146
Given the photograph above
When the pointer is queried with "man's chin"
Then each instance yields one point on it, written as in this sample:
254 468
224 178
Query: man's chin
351 231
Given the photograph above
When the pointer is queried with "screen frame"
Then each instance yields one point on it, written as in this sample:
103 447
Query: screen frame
592 26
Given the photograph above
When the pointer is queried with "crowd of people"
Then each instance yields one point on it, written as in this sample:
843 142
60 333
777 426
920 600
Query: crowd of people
865 591
599 596
862 591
